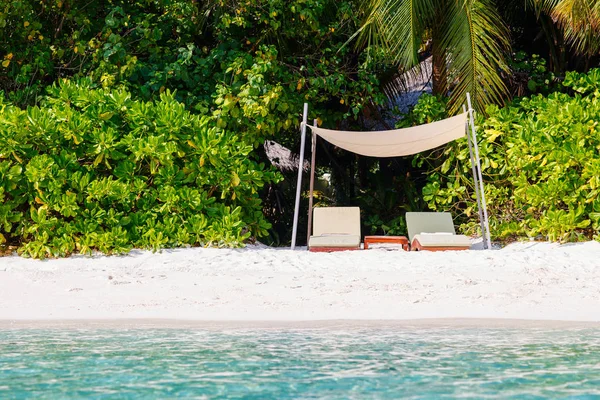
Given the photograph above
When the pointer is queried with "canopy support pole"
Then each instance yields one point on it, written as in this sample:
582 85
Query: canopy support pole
486 234
475 179
300 168
313 156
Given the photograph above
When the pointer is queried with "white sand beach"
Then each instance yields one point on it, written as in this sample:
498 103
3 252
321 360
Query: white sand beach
534 281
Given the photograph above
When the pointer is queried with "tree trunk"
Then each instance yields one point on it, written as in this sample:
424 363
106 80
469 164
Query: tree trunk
557 62
439 67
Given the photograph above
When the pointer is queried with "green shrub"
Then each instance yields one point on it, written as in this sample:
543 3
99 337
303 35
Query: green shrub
530 75
541 166
94 169
250 65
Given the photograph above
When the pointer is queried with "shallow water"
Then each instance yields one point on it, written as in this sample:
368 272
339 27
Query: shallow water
300 363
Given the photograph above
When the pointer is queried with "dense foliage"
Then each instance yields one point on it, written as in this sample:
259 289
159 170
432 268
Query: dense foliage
251 63
541 166
93 169
244 67
140 123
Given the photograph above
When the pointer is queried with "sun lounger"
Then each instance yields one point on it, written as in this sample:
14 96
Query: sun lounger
434 231
335 228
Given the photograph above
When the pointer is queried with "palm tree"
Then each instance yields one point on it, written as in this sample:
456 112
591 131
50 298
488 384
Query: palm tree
469 44
579 20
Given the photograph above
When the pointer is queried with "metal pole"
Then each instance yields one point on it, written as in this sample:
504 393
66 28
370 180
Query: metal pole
488 239
299 183
313 156
475 180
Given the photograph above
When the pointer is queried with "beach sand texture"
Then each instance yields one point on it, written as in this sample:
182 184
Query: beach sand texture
537 281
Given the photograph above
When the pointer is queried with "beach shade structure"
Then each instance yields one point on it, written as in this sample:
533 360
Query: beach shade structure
434 231
335 228
395 143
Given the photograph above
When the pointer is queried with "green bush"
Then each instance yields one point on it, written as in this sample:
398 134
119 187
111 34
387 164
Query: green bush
541 166
93 169
530 75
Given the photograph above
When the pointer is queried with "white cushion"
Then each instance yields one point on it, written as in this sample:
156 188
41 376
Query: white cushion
331 240
437 240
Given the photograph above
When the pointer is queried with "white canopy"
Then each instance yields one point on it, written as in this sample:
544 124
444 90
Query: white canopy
395 143
398 142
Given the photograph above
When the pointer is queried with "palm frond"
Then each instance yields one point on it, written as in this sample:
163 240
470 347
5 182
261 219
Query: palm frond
584 41
542 6
576 13
397 26
580 20
404 81
477 42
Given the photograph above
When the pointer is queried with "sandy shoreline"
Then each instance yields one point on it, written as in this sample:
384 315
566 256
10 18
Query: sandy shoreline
451 323
523 281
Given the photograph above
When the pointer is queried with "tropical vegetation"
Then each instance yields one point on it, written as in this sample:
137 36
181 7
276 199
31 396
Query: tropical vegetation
541 164
141 123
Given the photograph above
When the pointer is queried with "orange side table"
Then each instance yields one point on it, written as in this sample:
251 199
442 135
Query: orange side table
387 239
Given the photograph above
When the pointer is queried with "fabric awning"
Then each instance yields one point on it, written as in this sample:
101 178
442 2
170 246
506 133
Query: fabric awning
397 142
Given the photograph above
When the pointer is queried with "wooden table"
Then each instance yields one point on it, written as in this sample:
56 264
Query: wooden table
387 239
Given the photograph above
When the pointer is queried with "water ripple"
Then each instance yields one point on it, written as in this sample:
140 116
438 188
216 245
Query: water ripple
303 363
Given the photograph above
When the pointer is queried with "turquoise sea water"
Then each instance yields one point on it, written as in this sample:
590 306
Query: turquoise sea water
389 363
